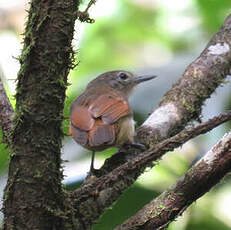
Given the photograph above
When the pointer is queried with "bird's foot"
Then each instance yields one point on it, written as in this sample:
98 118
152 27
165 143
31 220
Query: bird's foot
93 172
135 145
139 146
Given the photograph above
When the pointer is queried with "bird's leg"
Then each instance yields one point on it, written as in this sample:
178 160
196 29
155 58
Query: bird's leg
93 171
92 162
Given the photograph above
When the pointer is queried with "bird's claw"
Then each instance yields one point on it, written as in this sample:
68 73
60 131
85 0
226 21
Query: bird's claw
135 145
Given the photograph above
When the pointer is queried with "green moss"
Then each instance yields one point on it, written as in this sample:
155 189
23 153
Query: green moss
161 206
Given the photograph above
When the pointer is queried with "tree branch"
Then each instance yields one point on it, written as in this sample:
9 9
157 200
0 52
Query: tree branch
103 191
183 103
6 113
195 183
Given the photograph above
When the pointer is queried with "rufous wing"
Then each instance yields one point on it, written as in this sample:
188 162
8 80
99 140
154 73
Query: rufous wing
79 135
101 134
115 112
81 123
81 118
92 122
110 108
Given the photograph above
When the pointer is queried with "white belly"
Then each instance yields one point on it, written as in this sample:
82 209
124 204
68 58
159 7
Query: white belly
127 131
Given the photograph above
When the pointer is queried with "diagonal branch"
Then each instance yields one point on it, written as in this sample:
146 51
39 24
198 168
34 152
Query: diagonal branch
195 183
6 113
103 191
183 103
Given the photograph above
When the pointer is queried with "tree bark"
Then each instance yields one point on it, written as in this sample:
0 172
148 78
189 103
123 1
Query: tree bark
196 182
33 196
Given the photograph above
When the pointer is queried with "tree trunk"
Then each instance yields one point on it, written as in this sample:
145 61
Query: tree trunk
33 196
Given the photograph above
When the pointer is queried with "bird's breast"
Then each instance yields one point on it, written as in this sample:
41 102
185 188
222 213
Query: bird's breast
125 130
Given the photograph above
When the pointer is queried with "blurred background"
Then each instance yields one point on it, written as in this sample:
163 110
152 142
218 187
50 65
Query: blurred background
160 37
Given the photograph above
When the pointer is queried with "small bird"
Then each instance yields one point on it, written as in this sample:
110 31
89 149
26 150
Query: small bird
101 116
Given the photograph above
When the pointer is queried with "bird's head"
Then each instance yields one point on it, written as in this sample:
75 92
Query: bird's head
120 80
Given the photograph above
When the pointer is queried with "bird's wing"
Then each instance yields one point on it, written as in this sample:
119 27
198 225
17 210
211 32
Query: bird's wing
81 118
81 123
79 135
110 108
101 134
93 121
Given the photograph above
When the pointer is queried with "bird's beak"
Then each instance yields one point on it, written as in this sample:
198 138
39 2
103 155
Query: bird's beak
140 79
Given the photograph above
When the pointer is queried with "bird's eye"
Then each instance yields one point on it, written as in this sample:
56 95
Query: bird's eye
123 76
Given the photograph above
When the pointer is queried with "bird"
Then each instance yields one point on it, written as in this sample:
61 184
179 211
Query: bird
101 117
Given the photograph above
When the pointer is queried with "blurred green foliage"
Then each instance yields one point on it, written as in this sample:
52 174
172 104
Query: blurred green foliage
213 12
129 203
4 156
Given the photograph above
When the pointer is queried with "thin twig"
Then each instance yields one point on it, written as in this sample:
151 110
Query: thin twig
90 4
83 16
